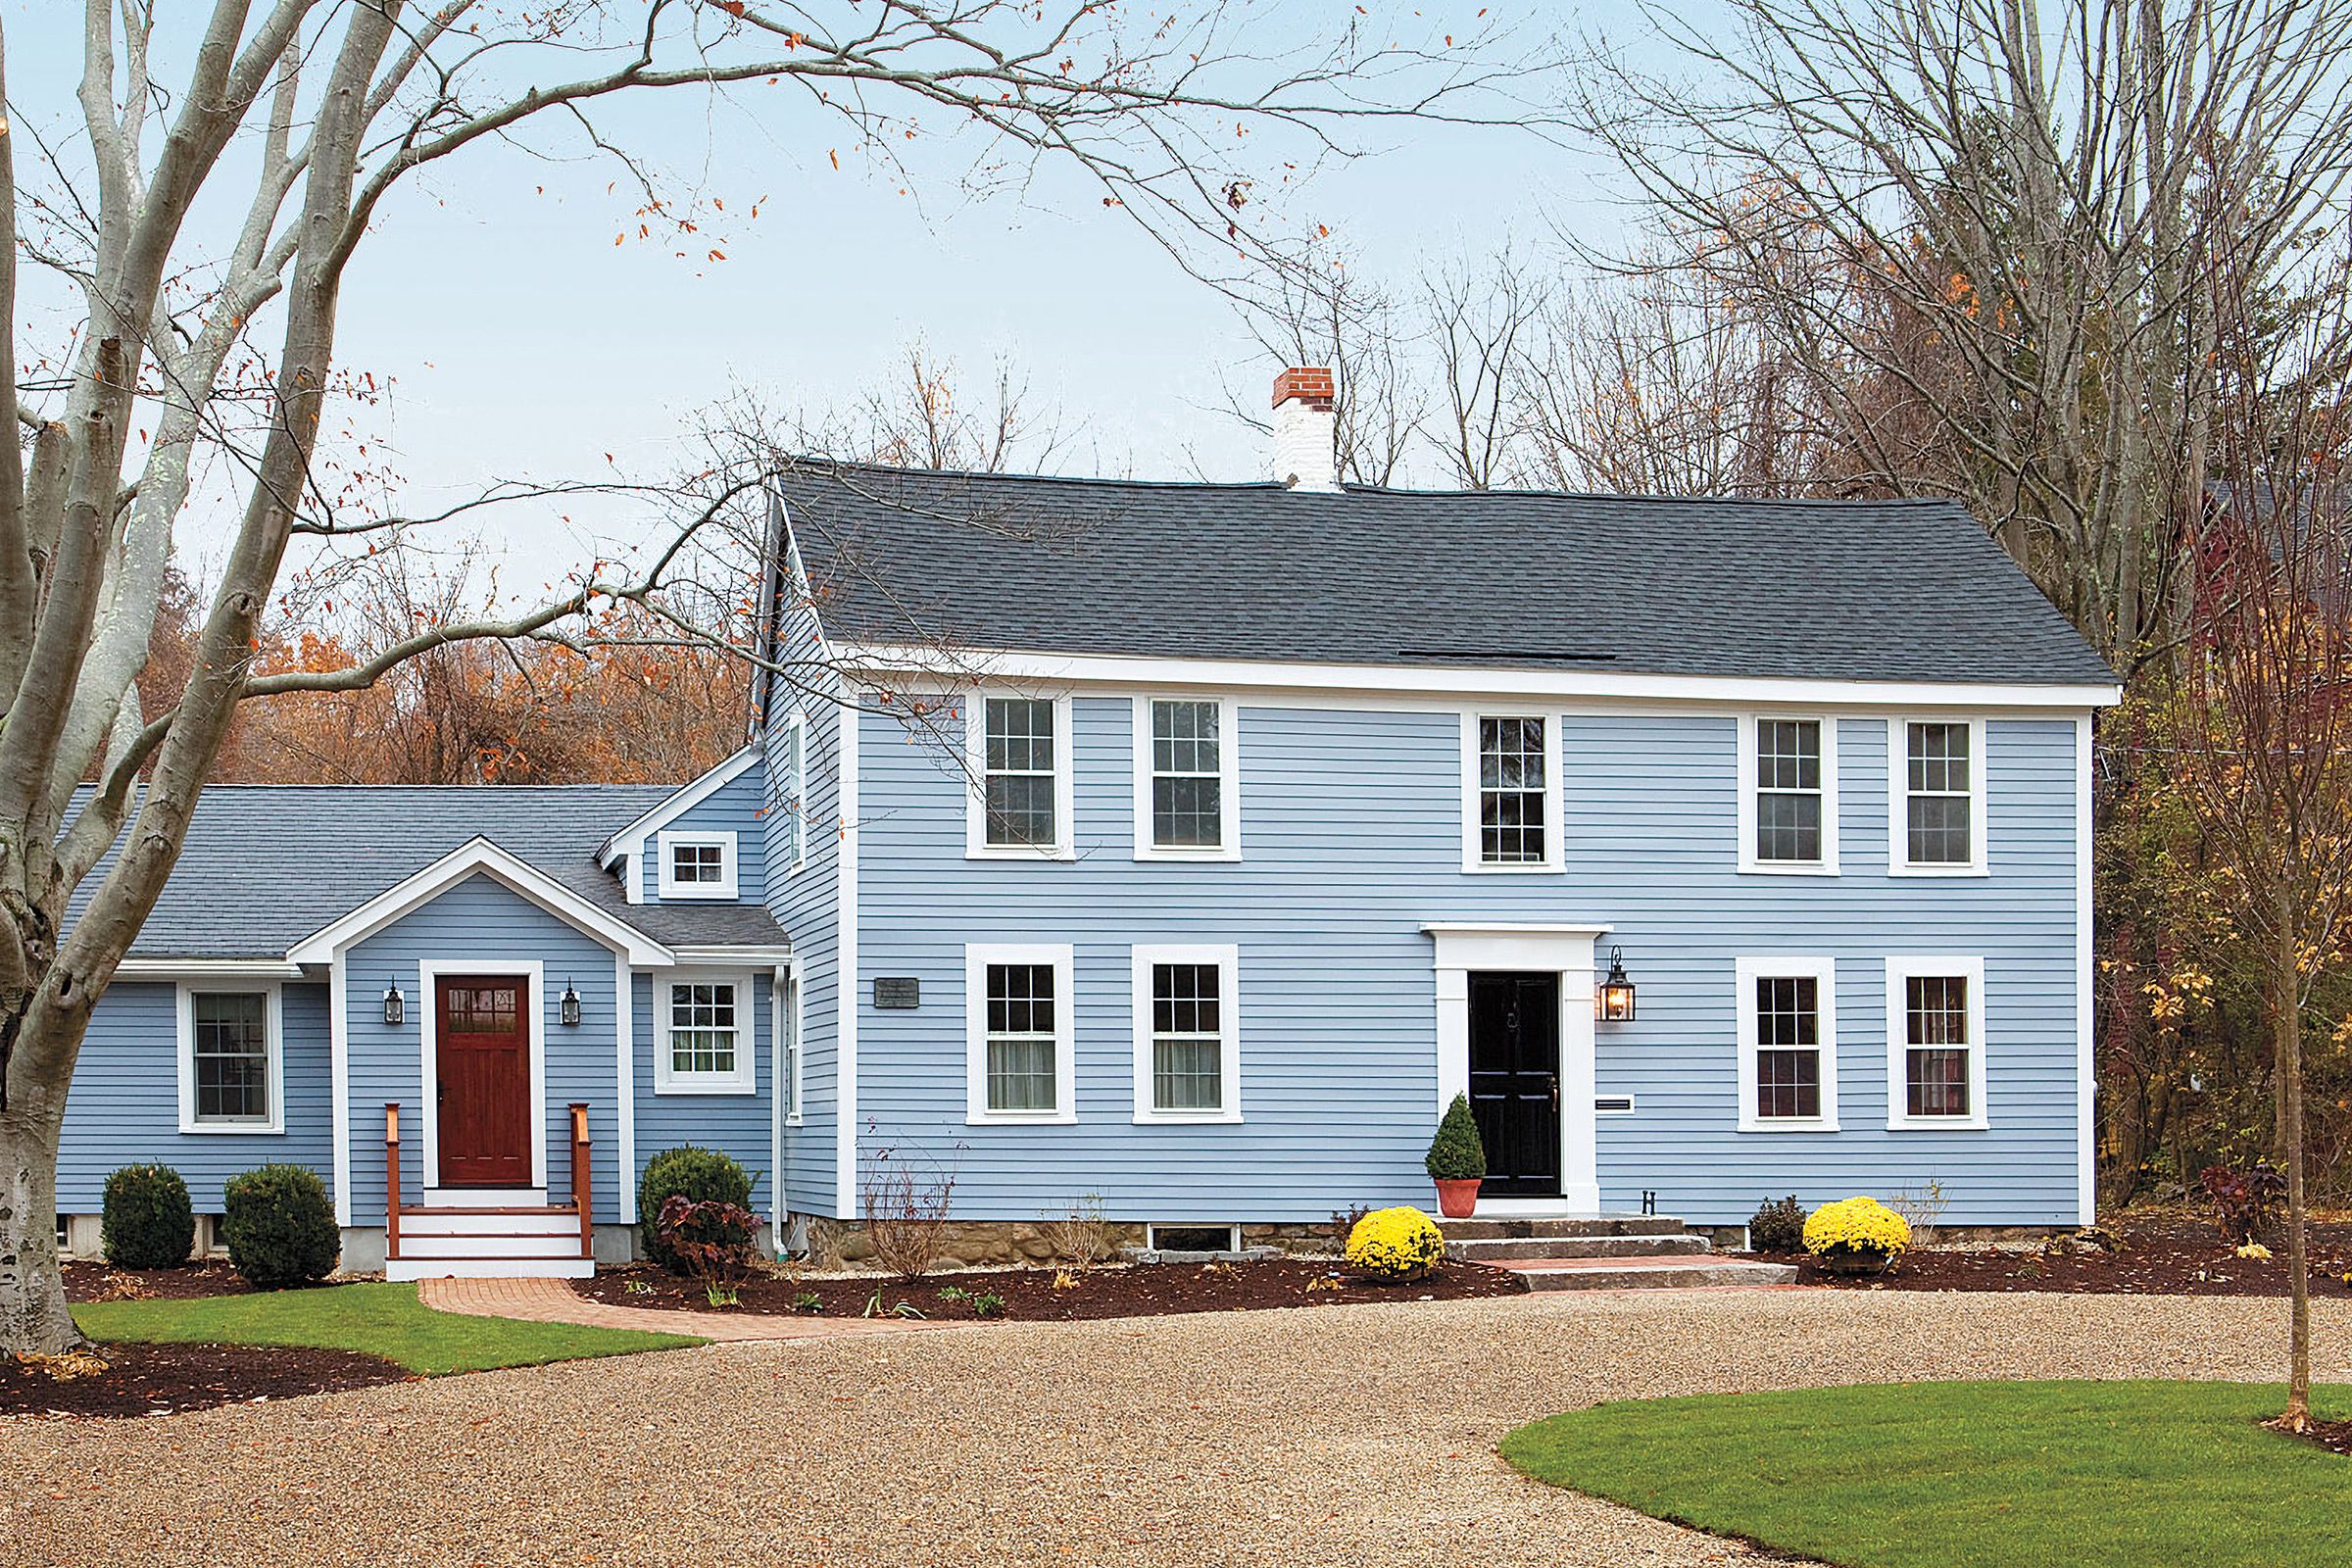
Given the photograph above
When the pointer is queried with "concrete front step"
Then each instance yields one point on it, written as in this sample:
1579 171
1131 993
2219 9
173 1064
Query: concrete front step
1645 1273
1495 1249
1504 1227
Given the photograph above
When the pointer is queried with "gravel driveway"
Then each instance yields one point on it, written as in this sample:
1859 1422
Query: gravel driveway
1337 1435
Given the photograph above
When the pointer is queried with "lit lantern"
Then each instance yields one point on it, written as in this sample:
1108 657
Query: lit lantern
1613 1002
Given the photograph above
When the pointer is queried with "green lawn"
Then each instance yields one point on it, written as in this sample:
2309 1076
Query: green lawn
1957 1475
386 1320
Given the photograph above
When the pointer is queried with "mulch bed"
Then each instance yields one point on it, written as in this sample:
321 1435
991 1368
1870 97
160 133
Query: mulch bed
2162 1253
1143 1291
95 1282
2334 1435
117 1380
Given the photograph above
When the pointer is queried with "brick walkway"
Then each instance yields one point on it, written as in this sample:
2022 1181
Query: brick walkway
554 1301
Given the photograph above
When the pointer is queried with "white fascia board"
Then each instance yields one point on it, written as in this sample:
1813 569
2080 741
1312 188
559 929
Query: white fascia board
630 840
1454 681
750 955
518 876
153 968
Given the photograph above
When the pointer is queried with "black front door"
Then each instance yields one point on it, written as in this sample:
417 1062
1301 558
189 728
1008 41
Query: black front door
1515 1081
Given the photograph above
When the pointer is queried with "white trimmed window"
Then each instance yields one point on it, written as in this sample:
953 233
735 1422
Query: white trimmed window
1937 796
1787 1022
696 866
1187 1051
1019 1045
1510 794
784 995
703 1033
1187 780
1936 1043
1789 794
796 787
1017 749
231 1061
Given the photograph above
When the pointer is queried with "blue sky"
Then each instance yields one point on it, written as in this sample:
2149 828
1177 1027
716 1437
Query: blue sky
522 342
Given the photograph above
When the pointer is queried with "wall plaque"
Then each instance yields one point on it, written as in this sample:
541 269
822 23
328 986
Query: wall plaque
897 991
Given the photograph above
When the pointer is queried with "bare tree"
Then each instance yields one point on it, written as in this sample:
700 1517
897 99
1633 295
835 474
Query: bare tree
1481 319
1326 313
299 118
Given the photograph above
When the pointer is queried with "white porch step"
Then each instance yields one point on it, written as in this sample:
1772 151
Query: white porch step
486 1240
490 1268
426 1223
490 1246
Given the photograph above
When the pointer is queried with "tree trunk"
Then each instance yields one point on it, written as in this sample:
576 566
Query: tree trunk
2287 1022
33 1320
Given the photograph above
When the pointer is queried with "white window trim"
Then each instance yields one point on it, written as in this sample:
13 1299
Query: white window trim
744 1080
796 787
272 1035
1827 865
1553 827
975 798
1229 781
787 1032
1227 957
669 888
1898 797
1824 973
976 960
1899 971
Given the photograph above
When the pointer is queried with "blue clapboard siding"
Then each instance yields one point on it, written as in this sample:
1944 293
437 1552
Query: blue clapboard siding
486 928
1351 835
124 1107
738 1125
734 809
806 904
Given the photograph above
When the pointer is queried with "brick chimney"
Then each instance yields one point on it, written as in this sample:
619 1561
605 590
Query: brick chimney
1307 430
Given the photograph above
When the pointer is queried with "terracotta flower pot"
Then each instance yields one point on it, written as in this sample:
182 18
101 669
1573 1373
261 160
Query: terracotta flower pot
1457 1199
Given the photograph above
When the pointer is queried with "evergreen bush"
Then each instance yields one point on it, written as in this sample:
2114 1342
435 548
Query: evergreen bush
703 1175
1456 1154
146 1221
1778 1226
280 1227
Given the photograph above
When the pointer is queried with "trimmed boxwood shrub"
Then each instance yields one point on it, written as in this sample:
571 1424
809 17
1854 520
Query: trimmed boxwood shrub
147 1221
703 1175
280 1227
1456 1154
1778 1226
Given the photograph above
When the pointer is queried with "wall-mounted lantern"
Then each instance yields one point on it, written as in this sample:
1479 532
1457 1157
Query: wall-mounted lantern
396 1006
1613 1002
570 1005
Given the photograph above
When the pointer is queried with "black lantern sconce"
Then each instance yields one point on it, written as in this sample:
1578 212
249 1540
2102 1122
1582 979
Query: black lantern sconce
1613 1002
396 1006
570 1005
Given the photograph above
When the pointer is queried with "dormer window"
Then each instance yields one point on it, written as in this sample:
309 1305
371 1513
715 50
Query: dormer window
697 865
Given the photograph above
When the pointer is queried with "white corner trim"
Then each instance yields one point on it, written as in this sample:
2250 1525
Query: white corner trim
844 964
338 1081
977 956
476 856
745 1079
2087 1177
1472 816
1226 956
1899 970
1824 973
273 1052
1229 781
625 1065
1898 800
630 840
1748 863
975 794
428 1033
669 888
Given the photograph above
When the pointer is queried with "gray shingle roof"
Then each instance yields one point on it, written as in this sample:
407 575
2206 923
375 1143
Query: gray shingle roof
267 864
1833 590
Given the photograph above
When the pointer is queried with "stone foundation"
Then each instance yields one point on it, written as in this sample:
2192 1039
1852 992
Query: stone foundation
1019 1244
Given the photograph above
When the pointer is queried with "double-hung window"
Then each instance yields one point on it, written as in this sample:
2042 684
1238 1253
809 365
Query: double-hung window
1510 794
785 993
704 1026
1787 794
1936 1043
1018 751
1187 783
1937 804
1018 1036
1787 1023
230 1075
1187 1033
796 787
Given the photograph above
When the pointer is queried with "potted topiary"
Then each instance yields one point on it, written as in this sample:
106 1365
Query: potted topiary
1458 1161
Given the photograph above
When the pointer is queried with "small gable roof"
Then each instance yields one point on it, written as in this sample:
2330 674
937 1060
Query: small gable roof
267 865
1893 590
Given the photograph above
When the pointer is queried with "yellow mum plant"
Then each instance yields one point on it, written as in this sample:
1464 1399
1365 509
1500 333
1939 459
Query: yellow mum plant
1396 1243
1856 1230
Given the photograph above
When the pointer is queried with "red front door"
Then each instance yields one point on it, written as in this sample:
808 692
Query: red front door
482 1067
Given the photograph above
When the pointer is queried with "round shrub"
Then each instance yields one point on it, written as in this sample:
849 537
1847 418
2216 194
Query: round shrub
1395 1244
279 1227
1857 1233
1778 1226
147 1221
703 1175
